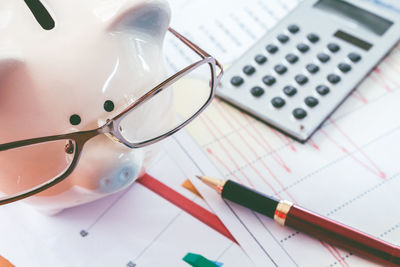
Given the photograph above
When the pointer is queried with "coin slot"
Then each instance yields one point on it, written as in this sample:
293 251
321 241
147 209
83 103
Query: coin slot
41 14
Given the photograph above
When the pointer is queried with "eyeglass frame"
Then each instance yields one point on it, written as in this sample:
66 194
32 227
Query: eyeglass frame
110 128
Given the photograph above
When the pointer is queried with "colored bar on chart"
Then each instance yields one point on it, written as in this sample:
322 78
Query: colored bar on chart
5 263
197 260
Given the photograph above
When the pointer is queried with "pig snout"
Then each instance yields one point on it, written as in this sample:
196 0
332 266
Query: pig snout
107 166
118 179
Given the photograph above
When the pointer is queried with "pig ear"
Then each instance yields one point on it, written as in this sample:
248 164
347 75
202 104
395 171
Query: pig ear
151 18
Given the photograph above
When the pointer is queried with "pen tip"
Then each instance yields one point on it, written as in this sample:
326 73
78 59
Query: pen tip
214 183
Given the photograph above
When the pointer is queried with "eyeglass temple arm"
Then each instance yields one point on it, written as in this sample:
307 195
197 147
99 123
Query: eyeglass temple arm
77 136
27 142
198 50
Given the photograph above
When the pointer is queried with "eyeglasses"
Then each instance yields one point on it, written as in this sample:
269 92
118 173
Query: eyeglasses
187 93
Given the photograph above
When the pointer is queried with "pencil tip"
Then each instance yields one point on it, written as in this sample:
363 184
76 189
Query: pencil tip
199 177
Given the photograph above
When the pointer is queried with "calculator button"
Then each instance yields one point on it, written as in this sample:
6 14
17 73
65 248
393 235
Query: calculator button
237 80
271 48
312 68
311 101
260 59
333 47
283 38
299 113
292 58
257 91
302 47
301 79
354 57
290 90
278 102
280 69
323 57
333 78
293 28
344 67
313 38
322 89
249 70
269 80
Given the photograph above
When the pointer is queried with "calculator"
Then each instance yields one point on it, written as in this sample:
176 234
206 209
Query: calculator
304 68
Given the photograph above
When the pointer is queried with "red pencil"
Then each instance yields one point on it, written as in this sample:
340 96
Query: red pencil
288 214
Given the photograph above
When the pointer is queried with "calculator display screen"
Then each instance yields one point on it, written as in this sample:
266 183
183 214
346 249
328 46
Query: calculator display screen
360 17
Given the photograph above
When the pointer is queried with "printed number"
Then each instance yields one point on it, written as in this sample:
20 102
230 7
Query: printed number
84 233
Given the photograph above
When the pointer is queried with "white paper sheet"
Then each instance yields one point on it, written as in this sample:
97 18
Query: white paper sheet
225 29
133 228
348 171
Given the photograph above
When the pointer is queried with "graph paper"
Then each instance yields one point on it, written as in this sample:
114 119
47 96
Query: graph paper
348 171
133 228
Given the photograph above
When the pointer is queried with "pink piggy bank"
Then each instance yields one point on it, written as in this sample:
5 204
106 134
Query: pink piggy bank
96 59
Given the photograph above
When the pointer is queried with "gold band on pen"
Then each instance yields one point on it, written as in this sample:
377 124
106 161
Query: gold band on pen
281 211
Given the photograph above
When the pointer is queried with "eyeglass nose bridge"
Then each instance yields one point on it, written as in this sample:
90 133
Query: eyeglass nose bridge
110 129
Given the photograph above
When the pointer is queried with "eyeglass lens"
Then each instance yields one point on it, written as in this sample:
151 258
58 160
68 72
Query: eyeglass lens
170 108
27 167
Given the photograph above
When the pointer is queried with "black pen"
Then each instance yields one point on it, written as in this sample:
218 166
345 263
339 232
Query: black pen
288 214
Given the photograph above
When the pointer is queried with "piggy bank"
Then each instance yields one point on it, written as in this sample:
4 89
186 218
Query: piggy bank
72 76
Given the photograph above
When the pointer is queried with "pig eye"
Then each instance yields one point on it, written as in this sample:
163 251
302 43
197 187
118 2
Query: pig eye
75 119
108 106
